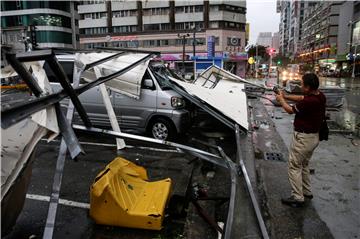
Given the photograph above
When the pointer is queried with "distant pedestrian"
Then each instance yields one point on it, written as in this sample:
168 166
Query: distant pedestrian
309 113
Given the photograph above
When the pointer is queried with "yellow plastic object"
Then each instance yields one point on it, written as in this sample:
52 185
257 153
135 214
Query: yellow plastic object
122 196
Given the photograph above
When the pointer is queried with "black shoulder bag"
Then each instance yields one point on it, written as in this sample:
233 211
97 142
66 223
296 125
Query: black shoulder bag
324 131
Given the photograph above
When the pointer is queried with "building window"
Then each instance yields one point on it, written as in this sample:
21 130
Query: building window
199 8
53 37
151 27
179 9
94 30
214 8
164 42
155 11
93 2
36 19
214 25
189 25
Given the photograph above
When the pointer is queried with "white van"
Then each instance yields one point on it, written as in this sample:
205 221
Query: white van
160 111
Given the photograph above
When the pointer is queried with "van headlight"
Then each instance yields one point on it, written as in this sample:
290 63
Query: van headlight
177 102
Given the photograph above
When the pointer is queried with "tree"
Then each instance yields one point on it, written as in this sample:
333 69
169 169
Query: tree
261 52
281 60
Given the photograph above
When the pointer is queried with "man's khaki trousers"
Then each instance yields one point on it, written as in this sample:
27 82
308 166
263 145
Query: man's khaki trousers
301 150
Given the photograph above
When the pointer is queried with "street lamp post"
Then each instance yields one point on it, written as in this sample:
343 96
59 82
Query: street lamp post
183 37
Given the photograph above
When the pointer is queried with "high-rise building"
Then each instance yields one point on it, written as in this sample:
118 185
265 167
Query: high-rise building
156 25
283 7
264 39
291 25
344 35
56 23
275 41
320 32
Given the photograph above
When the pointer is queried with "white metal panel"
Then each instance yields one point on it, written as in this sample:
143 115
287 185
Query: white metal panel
129 83
227 96
19 140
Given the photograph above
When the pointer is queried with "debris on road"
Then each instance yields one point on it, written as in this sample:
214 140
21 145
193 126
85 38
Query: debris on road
122 196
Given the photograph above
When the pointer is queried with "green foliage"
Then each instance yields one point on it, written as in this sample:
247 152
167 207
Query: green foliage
261 52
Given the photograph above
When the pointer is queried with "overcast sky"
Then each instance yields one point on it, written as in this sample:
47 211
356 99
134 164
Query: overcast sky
262 16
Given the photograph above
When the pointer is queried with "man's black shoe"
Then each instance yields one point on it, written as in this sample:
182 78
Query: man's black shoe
310 196
291 201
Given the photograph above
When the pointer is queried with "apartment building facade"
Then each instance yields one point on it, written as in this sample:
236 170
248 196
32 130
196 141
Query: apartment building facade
264 39
320 33
156 25
56 23
283 7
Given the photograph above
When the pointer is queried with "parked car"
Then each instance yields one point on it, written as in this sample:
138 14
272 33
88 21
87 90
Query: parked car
160 111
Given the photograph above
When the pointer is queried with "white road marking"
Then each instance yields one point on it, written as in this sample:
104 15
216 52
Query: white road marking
61 201
127 146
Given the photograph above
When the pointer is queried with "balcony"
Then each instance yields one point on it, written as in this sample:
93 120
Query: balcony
124 21
189 17
227 16
156 19
90 23
128 5
92 8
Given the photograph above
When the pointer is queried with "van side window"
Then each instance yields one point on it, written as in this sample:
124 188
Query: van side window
68 67
147 77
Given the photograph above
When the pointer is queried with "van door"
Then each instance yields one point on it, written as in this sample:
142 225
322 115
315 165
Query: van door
134 113
94 105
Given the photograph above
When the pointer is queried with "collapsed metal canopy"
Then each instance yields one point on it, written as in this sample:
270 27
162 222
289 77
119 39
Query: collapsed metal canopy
22 111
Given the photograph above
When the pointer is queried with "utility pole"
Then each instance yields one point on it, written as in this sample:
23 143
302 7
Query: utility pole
194 45
350 25
183 37
256 62
354 63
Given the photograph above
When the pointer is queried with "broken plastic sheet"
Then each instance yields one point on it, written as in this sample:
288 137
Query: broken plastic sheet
129 83
228 97
19 140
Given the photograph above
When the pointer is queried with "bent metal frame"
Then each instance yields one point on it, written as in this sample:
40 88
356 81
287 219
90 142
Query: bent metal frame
16 113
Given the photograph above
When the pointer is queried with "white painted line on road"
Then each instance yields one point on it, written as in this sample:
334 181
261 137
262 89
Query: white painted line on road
61 201
127 146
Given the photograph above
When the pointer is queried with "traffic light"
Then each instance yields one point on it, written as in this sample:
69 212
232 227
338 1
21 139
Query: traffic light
33 35
272 51
278 62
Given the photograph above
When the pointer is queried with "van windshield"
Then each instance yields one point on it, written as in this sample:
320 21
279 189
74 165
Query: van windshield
164 71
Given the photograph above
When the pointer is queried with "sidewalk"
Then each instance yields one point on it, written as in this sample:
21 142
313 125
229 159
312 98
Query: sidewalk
335 179
282 221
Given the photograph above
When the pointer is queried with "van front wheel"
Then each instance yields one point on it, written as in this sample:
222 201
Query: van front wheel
162 129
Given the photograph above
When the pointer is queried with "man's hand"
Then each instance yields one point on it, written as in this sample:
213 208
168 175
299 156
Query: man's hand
281 99
280 96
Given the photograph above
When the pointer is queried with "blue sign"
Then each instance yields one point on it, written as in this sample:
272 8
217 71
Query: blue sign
211 46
